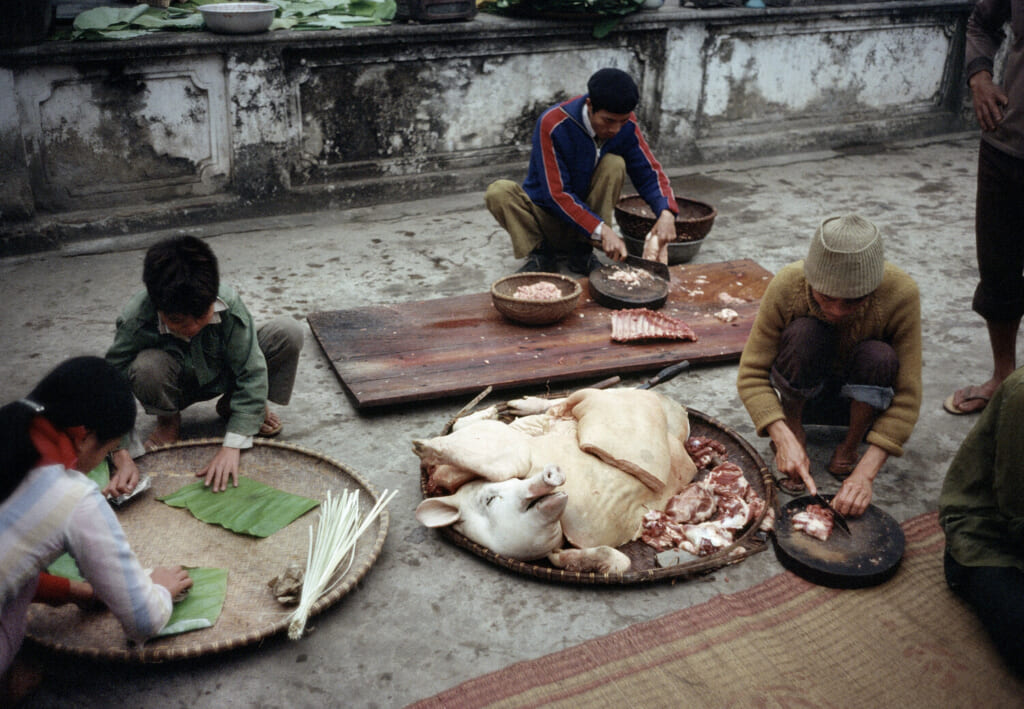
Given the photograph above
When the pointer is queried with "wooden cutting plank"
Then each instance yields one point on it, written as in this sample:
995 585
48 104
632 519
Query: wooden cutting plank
428 349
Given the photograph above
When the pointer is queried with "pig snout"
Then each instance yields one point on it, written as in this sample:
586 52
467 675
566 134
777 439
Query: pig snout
541 495
545 481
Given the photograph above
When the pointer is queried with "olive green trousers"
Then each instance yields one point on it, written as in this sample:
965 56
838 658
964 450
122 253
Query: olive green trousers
530 225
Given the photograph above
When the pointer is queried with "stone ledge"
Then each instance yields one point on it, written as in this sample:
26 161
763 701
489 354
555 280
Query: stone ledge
111 137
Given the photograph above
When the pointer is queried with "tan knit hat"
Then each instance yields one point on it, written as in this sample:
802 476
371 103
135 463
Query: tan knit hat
845 259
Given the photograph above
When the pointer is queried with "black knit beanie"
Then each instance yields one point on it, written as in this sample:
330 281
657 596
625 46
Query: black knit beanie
613 90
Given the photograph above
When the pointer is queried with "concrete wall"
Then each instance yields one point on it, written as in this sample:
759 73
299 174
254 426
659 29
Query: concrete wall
99 138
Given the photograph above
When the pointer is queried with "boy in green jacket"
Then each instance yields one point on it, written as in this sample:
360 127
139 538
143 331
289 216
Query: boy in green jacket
188 338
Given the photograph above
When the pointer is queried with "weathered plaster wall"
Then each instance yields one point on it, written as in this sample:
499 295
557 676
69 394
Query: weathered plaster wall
104 135
118 135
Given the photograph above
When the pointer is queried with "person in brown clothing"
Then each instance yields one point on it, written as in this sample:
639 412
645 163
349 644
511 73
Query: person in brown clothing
837 340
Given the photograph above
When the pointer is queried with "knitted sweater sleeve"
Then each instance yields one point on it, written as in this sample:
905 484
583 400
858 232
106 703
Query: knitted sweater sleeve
762 348
902 329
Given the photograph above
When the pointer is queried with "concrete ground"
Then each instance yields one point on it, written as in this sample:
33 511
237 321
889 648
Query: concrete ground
429 615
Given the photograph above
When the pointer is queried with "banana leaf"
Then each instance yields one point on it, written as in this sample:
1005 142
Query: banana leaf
126 22
64 565
251 508
100 18
201 607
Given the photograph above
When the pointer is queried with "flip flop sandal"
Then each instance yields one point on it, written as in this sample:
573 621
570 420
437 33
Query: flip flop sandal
950 405
271 432
791 486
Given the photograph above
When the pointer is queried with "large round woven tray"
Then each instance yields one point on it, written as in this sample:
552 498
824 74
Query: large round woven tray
644 567
161 536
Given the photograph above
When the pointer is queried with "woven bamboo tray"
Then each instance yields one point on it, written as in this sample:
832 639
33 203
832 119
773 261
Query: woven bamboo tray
162 536
644 567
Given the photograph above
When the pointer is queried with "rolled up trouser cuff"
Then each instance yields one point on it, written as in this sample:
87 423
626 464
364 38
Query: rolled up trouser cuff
879 398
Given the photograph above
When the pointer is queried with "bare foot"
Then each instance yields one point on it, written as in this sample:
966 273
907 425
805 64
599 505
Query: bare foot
168 430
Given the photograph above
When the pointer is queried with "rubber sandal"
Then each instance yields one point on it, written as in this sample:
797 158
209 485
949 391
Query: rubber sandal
791 486
950 406
270 432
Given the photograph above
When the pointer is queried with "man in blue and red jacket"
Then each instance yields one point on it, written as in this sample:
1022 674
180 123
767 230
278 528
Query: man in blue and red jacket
582 151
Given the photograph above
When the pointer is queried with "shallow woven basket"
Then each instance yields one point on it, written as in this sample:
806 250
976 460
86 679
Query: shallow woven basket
162 536
644 567
535 312
636 219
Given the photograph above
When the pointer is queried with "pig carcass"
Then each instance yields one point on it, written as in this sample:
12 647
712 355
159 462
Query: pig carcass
598 461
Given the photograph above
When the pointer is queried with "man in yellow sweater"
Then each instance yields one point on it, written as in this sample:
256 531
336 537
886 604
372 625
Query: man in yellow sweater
837 340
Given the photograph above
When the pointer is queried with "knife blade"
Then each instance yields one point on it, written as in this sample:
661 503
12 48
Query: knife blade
836 516
657 268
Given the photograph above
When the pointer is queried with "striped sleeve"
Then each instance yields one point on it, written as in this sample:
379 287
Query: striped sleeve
647 176
570 206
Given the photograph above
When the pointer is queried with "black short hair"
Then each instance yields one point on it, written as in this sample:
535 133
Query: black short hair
82 391
181 276
612 90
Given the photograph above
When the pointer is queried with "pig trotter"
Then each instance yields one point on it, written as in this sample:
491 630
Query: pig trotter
599 560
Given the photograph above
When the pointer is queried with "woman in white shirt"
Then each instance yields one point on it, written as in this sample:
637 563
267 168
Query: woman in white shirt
73 418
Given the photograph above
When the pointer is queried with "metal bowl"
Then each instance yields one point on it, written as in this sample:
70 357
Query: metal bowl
238 17
535 312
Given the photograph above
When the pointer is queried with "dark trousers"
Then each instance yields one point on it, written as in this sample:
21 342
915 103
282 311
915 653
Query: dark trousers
805 370
996 594
999 236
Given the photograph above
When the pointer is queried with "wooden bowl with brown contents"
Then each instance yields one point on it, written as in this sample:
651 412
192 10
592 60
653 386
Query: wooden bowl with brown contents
693 223
540 308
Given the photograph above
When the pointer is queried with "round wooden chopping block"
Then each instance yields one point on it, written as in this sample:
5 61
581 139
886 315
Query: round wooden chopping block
867 556
651 292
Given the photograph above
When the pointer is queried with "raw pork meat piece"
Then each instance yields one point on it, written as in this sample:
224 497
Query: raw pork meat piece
659 532
705 538
727 479
696 503
732 513
814 521
705 452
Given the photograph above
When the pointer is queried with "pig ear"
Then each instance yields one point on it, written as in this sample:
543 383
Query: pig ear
437 512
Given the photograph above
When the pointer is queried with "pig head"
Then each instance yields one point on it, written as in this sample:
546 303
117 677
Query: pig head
517 518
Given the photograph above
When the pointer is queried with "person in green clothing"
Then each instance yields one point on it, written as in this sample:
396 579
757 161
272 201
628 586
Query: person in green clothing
836 340
981 510
189 338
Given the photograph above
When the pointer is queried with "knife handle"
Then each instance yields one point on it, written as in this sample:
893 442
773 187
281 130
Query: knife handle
665 374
